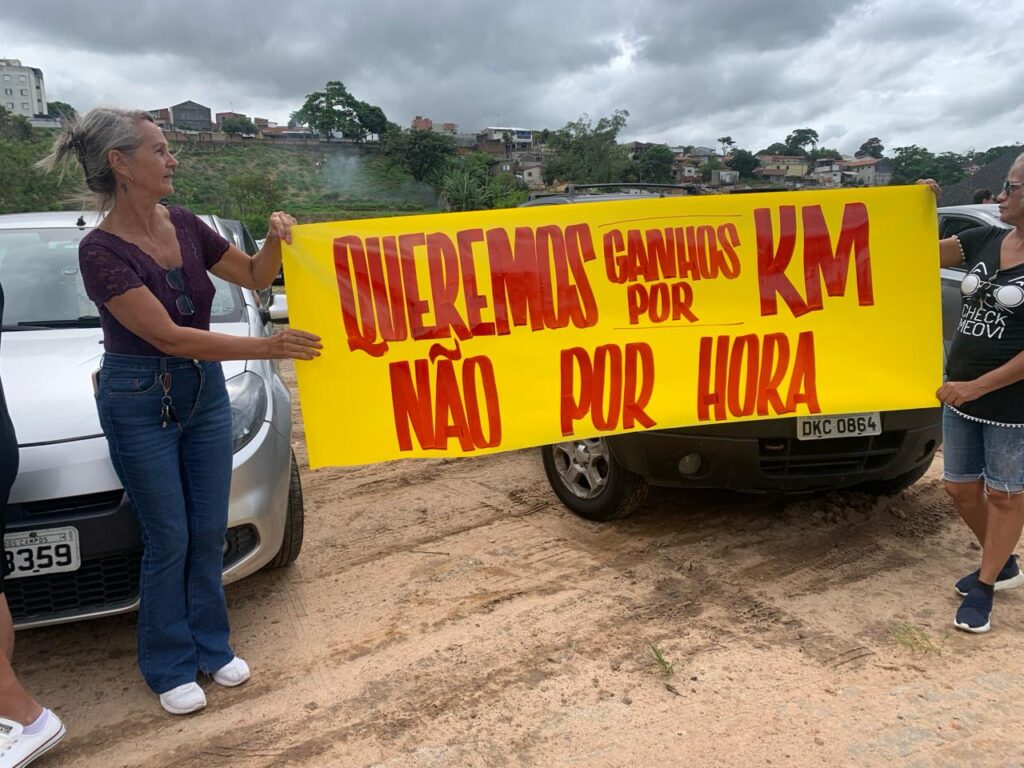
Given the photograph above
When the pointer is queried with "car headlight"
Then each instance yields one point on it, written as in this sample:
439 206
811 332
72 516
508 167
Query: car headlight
248 407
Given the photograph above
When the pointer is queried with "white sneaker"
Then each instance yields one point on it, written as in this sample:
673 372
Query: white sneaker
235 672
18 749
183 699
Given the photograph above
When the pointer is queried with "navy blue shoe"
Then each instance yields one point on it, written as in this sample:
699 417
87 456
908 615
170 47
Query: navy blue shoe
1010 577
972 616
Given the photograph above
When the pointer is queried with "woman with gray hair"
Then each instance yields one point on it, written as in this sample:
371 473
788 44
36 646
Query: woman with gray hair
983 417
160 392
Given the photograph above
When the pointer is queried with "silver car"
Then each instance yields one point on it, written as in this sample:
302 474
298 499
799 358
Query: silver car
73 544
954 219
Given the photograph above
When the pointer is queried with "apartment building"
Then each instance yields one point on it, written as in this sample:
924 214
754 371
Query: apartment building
21 89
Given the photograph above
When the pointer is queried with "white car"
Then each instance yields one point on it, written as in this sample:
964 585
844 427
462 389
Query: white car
72 542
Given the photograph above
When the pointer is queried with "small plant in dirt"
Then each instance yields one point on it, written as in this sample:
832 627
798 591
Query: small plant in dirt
915 639
666 666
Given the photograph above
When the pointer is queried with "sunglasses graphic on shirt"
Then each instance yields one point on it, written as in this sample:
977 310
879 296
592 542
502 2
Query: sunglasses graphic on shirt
176 280
1006 296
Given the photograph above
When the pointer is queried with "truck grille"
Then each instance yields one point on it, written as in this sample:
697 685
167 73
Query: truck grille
792 458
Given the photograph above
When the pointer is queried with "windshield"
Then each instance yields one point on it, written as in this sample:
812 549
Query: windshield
42 287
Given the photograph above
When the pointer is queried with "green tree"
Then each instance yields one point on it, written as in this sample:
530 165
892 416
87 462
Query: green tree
912 163
870 148
335 110
235 125
744 162
655 164
802 137
583 152
727 143
371 118
778 148
61 110
711 164
819 153
424 154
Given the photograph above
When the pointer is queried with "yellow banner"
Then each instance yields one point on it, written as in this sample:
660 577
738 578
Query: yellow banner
467 333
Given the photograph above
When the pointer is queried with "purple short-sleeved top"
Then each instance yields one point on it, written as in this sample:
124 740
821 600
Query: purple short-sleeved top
110 266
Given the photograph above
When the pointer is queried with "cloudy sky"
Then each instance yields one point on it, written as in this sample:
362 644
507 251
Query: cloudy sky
944 74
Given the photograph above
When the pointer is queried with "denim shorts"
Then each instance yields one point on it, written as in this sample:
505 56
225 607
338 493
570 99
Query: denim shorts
973 450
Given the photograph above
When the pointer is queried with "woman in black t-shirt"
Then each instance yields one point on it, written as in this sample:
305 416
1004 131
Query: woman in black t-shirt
983 419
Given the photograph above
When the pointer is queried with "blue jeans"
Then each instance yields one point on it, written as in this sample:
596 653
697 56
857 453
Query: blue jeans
973 450
177 478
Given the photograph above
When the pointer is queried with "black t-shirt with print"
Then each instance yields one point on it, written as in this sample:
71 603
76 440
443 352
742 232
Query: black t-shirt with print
991 327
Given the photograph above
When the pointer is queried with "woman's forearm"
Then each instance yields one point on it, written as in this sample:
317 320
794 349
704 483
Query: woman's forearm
1008 373
208 345
266 264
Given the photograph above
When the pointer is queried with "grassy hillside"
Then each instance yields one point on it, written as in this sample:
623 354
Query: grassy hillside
324 183
244 181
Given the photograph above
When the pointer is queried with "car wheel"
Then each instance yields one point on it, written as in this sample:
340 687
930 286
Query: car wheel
896 484
291 544
589 481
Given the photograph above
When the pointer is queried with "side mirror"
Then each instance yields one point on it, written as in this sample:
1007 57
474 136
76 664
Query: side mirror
279 309
266 297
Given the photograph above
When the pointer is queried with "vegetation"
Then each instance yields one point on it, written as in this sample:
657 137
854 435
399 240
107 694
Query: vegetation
666 666
870 148
744 162
655 164
469 185
242 125
914 162
61 110
425 155
336 111
24 187
330 182
245 181
584 152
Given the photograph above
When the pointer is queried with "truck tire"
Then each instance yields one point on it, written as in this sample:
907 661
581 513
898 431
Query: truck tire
588 480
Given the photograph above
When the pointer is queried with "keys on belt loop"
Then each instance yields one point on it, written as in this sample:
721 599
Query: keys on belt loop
167 413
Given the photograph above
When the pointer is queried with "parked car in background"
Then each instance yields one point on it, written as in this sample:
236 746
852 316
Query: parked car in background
954 219
279 280
73 544
608 477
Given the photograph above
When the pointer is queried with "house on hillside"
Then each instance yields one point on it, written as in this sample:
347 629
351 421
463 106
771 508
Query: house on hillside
686 169
516 139
793 166
868 171
191 116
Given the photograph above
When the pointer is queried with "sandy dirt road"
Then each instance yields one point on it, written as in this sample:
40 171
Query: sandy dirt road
452 613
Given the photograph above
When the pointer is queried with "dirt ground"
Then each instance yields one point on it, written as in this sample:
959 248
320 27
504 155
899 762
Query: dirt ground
453 613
